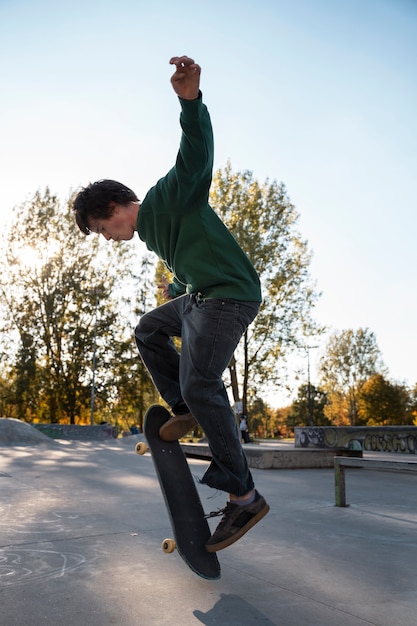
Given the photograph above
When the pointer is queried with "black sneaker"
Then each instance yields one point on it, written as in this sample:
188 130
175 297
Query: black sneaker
236 521
177 427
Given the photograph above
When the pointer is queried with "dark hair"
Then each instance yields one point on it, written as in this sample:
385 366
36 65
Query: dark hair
94 202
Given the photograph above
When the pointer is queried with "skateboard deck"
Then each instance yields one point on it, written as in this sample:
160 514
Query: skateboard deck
190 528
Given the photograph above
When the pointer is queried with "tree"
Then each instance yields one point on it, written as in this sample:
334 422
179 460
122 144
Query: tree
337 409
382 402
261 421
412 406
308 408
132 384
64 305
282 426
264 222
351 358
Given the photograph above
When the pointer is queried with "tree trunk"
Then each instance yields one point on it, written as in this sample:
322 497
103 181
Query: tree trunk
233 379
245 374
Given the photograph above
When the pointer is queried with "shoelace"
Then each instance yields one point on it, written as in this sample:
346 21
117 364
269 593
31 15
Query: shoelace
218 512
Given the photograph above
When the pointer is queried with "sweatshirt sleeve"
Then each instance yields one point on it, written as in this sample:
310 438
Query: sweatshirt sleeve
194 164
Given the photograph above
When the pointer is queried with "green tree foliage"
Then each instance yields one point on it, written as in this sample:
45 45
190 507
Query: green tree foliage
261 419
384 403
412 406
308 408
161 272
60 298
351 358
281 423
264 222
132 386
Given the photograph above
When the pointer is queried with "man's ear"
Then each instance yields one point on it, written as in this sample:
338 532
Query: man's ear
113 208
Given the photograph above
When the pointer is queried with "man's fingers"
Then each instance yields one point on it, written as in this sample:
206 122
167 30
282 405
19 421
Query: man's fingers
182 61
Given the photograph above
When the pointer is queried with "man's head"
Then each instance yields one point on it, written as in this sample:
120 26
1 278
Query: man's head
100 203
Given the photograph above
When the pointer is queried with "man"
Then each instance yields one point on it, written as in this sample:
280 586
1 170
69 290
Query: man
213 298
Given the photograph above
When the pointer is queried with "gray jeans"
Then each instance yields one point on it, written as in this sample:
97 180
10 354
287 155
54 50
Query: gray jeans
210 330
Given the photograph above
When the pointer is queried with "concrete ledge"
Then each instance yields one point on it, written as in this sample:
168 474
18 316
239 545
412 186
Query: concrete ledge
276 457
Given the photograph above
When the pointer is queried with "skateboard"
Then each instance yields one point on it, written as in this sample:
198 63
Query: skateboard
189 525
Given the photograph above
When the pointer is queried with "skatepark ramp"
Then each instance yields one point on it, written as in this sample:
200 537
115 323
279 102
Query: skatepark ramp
14 432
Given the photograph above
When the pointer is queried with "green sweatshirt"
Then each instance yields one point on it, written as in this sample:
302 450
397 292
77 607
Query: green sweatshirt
177 223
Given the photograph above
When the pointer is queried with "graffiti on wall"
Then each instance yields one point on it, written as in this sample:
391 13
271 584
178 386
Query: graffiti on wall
69 431
400 439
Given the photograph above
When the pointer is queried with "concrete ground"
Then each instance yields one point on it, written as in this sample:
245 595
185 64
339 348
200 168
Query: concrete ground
81 526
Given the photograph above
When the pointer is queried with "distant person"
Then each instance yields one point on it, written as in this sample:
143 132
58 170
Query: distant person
214 296
244 428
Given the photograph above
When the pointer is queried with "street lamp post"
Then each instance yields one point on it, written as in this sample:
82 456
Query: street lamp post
309 397
93 378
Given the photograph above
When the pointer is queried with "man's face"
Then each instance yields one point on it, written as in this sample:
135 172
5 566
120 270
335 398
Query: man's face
118 227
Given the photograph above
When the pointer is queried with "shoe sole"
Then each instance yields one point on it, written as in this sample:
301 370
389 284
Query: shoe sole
228 542
175 428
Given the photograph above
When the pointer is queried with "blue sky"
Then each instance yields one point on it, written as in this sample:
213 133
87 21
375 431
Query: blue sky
319 94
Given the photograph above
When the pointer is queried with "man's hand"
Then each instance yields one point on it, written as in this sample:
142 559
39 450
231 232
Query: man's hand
164 287
186 78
